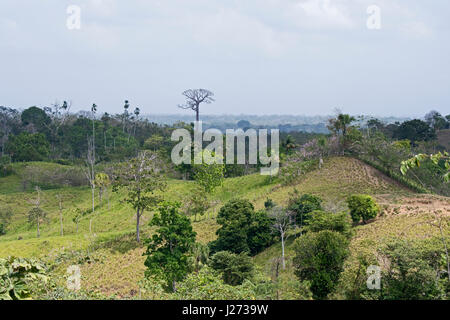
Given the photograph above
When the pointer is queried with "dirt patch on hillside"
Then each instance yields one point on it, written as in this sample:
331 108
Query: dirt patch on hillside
415 204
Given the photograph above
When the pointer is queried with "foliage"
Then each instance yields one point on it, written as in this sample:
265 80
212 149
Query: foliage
415 130
234 218
339 222
28 147
303 206
235 268
168 249
436 159
16 274
412 273
141 178
208 176
362 207
319 259
242 229
259 234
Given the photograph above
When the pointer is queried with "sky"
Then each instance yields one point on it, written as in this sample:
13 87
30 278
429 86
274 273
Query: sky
303 57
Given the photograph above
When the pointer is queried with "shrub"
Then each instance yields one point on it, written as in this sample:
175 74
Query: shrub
319 259
235 268
362 207
339 222
206 285
303 207
242 229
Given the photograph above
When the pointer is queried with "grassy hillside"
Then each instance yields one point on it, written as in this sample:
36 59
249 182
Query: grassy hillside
112 245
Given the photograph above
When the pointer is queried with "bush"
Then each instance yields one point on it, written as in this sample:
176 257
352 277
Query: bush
242 229
235 268
303 207
339 222
319 259
362 207
206 285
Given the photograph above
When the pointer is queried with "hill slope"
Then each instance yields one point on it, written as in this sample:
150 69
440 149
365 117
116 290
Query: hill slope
113 247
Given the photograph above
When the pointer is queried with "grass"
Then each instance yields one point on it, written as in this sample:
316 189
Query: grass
113 248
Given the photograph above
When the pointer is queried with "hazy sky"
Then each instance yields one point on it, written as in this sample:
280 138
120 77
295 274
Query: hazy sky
257 56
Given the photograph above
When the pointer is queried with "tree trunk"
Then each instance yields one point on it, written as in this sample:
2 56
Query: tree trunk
61 222
138 216
197 113
38 231
90 225
93 199
282 251
77 227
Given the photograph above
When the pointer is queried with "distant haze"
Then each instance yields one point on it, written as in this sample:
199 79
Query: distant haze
263 57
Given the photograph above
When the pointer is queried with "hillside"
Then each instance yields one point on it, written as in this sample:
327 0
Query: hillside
113 246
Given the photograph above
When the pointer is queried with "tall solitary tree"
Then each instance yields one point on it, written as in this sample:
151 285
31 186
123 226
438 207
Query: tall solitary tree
194 98
36 215
282 222
141 178
89 172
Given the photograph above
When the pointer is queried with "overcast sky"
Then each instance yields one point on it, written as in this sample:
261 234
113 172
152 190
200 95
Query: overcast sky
257 56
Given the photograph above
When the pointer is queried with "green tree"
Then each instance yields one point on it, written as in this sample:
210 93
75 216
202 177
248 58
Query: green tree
413 272
436 159
341 126
319 259
242 229
208 176
362 207
303 206
259 234
142 179
168 249
154 142
415 130
234 218
235 268
36 118
28 147
102 182
339 222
